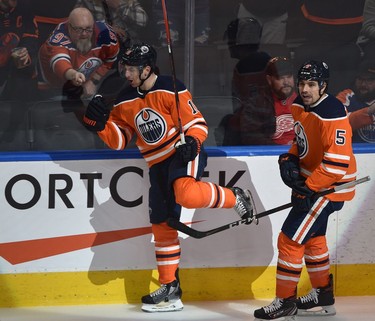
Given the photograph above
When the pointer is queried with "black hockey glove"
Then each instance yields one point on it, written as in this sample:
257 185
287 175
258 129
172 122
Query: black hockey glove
303 198
188 151
289 169
97 114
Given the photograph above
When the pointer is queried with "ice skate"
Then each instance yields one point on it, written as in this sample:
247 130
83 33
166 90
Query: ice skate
244 205
318 302
279 309
165 299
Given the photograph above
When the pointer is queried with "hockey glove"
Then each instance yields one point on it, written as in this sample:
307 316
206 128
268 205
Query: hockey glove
289 169
303 198
97 114
188 151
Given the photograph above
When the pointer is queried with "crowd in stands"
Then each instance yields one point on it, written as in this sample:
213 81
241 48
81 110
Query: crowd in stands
68 50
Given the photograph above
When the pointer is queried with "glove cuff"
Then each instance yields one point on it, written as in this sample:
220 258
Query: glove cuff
199 144
93 125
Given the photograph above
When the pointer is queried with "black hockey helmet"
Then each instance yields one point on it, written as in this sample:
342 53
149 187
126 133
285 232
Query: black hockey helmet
314 70
140 54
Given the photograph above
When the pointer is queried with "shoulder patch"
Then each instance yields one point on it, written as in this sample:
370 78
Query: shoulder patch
330 108
59 37
166 83
128 93
105 34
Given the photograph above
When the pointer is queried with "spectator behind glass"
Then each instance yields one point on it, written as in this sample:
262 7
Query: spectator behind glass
78 55
281 85
248 82
265 117
360 103
176 17
127 17
366 39
18 50
243 43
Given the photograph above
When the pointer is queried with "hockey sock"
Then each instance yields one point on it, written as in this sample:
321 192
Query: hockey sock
317 261
289 266
167 251
191 193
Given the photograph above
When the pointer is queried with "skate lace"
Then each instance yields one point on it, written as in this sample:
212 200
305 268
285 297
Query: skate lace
241 208
312 296
159 291
243 205
275 305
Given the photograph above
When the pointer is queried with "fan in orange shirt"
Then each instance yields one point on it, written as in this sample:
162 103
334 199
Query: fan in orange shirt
78 54
360 103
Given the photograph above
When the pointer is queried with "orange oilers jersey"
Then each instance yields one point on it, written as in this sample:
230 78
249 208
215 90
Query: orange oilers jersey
153 117
58 54
324 145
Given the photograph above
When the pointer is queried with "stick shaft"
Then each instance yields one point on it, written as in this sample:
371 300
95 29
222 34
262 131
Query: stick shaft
176 224
171 60
323 193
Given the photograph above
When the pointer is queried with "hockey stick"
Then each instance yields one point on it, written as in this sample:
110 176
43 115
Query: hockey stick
176 224
171 60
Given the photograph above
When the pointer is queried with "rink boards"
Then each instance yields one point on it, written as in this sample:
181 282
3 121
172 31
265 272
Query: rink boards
74 230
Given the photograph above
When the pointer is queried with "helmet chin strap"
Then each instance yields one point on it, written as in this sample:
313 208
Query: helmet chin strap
140 75
323 83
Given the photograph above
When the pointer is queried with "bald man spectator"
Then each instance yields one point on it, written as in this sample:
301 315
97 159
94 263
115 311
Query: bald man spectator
78 55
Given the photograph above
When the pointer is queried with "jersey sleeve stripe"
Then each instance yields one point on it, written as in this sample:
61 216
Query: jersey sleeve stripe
338 156
173 138
334 170
194 122
329 162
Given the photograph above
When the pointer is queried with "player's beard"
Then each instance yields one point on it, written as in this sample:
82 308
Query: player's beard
84 45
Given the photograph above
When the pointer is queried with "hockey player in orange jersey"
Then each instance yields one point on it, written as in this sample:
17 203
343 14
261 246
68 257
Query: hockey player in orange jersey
320 158
147 109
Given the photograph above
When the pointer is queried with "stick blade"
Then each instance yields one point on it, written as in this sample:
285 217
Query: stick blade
179 226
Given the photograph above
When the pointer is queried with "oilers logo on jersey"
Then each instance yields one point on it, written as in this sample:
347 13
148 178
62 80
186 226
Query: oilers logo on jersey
90 65
301 139
151 126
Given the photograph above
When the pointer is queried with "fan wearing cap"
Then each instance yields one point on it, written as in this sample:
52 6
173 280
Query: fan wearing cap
280 79
265 117
360 103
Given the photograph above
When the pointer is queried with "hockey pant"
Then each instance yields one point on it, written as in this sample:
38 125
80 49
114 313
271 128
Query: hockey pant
303 239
